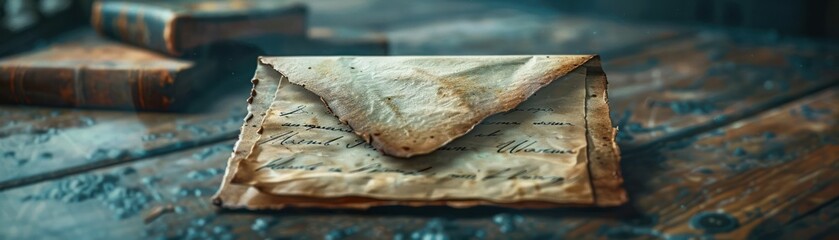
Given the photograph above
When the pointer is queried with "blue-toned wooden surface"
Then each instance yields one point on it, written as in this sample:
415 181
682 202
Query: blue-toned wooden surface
725 134
757 177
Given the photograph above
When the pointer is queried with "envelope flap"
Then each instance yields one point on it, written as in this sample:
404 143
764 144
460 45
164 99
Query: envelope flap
407 106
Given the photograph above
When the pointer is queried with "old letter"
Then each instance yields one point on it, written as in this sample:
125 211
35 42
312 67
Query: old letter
535 154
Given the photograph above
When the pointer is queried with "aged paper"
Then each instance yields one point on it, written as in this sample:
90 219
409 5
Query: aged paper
535 154
409 106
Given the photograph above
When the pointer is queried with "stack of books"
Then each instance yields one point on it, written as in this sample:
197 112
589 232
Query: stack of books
155 55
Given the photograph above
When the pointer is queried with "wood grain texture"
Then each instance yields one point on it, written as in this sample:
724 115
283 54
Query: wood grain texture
689 86
818 224
38 143
669 188
771 168
84 199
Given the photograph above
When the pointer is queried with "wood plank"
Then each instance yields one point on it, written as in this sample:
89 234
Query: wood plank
36 142
685 87
114 197
772 167
755 170
820 224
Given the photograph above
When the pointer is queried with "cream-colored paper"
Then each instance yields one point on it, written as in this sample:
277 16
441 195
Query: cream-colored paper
535 154
407 106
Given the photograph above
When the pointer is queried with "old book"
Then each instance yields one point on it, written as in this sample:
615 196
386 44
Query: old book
358 132
85 70
173 27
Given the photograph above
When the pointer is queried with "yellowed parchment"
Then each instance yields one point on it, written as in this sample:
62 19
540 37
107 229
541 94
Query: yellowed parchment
535 152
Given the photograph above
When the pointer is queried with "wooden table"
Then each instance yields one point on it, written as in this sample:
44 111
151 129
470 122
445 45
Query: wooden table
725 134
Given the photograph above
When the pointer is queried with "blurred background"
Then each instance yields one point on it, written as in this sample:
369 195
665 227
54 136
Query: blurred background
31 22
729 95
811 18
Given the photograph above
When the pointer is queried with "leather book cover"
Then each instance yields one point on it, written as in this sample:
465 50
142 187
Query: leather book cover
176 26
85 70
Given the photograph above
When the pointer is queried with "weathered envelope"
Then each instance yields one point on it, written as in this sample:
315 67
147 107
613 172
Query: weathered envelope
356 132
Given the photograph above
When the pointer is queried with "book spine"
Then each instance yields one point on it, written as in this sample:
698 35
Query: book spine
151 90
137 24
